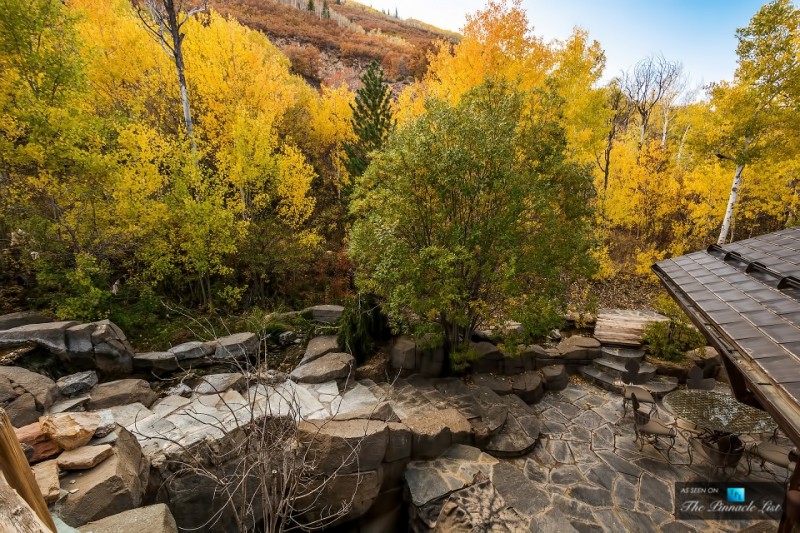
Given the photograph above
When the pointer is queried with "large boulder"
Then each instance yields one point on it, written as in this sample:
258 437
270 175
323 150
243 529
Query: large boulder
330 367
578 347
121 392
22 318
22 410
151 519
555 377
403 353
48 335
100 346
192 350
489 358
347 446
115 485
236 346
41 389
156 362
528 386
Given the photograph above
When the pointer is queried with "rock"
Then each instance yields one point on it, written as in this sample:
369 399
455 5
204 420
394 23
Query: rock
319 346
75 404
80 348
398 447
40 444
49 335
191 350
332 366
499 385
158 362
431 362
706 358
528 386
434 432
236 346
181 389
151 519
84 457
168 405
555 377
70 430
121 392
382 411
113 358
489 359
479 507
513 364
344 447
578 347
359 491
219 383
403 353
286 338
22 318
42 388
125 415
46 474
107 423
115 485
77 383
22 411
7 392
329 314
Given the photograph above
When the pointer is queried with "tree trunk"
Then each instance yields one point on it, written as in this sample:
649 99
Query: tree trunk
680 146
177 46
726 222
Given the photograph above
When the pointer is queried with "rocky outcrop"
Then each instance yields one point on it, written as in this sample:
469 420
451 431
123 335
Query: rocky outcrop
115 485
417 356
319 346
22 318
79 383
27 395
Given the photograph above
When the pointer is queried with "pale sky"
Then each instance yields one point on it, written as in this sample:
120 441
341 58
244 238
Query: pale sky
698 33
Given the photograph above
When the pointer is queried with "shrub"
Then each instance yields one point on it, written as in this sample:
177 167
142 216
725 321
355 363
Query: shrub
361 325
669 340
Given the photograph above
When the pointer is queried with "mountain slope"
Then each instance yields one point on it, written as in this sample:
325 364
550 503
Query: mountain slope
337 49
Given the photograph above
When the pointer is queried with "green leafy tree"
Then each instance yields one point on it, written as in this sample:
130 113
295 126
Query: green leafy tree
472 211
372 119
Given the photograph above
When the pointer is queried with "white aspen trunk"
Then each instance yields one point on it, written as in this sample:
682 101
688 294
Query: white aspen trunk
664 131
680 146
726 222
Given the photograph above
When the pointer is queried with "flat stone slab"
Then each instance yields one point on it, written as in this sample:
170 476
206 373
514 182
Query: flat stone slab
79 383
191 350
218 383
22 318
330 367
236 346
49 335
329 314
85 457
151 519
453 470
319 346
156 361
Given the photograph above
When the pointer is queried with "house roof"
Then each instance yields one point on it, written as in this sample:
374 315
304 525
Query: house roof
745 297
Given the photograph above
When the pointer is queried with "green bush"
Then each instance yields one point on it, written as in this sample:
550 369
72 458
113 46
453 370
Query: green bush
670 340
361 325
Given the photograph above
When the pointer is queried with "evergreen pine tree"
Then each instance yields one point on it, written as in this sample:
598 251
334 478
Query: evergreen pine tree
326 12
310 5
372 119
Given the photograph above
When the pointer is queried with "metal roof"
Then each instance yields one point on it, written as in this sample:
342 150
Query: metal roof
745 297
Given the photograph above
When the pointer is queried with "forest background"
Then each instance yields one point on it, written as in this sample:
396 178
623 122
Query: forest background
109 209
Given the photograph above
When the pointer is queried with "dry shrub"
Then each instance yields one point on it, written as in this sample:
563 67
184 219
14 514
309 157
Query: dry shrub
305 59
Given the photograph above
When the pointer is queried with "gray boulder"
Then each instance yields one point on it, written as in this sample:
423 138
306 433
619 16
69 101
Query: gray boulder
42 388
236 346
158 362
191 350
219 383
555 377
319 346
329 314
49 335
22 411
78 383
22 318
121 392
403 353
330 367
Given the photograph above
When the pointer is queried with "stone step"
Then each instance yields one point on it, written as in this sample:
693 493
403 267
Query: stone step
616 369
658 385
621 355
520 432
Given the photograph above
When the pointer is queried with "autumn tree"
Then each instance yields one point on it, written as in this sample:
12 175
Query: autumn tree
759 110
472 209
326 11
165 21
372 119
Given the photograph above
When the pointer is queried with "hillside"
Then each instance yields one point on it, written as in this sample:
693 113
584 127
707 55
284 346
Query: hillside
335 50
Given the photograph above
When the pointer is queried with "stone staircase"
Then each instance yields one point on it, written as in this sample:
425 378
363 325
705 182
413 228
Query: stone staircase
606 372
